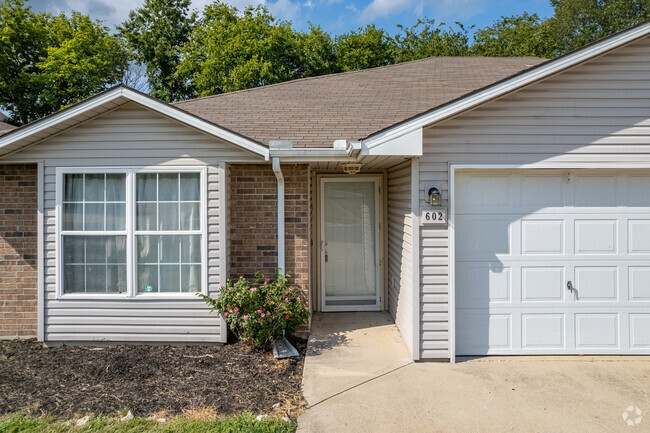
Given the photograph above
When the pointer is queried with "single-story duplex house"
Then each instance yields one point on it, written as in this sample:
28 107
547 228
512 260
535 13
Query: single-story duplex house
491 205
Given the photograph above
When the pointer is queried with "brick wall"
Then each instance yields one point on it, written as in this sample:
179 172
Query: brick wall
18 254
253 221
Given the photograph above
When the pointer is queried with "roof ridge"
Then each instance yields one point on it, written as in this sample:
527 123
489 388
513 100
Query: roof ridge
336 74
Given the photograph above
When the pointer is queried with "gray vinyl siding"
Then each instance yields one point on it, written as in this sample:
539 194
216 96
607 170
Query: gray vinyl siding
400 256
596 112
132 136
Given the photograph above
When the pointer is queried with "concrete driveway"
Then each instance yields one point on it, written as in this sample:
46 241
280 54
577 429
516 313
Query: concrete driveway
358 381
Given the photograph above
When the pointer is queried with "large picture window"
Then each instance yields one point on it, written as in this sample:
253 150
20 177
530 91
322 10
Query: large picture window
131 232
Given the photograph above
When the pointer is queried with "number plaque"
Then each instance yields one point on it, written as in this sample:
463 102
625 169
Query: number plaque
437 216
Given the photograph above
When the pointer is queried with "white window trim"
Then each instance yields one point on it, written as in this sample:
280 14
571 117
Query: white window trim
131 265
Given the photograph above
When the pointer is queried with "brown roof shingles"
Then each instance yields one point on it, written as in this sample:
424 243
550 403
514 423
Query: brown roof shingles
313 112
5 127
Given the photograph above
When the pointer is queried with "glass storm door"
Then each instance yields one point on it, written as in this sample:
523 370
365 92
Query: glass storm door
350 247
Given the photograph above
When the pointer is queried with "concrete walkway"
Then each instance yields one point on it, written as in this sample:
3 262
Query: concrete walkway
361 380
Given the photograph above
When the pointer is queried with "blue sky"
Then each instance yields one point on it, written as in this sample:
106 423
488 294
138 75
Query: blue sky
335 16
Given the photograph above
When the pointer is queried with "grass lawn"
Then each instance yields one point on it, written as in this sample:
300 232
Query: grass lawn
245 423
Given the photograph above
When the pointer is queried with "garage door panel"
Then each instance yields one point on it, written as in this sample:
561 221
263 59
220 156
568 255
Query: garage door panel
542 191
542 236
595 191
485 238
640 331
596 283
542 331
638 191
513 263
542 284
482 332
485 282
639 283
638 236
597 330
481 189
595 236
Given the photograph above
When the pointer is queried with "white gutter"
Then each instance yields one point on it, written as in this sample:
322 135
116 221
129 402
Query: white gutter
342 151
280 177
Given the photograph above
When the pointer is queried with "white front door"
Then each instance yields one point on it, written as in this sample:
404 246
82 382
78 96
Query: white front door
552 262
350 244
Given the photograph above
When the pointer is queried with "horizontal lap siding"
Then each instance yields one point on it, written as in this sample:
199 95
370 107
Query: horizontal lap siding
400 278
133 136
594 113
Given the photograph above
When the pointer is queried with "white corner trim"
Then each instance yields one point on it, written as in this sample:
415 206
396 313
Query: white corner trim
40 251
416 255
223 241
43 125
545 70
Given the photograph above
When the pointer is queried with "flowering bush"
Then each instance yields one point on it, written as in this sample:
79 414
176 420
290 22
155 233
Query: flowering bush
258 311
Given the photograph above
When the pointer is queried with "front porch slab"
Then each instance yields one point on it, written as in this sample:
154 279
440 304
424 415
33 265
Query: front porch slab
346 350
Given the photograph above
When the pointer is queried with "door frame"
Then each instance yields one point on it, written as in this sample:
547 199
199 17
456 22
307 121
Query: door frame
452 168
379 254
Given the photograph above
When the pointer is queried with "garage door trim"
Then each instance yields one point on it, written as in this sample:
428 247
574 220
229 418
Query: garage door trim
453 168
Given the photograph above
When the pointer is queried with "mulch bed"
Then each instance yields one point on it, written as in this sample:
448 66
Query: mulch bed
67 381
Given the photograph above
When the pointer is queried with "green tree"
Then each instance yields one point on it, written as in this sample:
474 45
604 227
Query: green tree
517 35
426 39
82 60
232 51
368 47
23 43
576 23
317 52
155 33
48 62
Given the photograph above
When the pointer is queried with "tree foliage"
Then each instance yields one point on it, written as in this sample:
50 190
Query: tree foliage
576 23
232 51
154 33
426 39
48 62
517 35
368 47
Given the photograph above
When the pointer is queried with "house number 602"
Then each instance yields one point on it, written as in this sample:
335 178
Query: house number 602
438 216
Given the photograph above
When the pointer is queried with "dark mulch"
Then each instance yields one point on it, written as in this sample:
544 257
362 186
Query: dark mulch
66 381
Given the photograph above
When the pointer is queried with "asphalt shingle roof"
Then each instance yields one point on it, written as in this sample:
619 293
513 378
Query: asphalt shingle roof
313 112
5 127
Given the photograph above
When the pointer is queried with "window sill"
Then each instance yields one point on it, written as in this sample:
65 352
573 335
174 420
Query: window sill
124 297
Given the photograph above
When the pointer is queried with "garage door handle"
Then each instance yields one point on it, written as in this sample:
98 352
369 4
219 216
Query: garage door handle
569 286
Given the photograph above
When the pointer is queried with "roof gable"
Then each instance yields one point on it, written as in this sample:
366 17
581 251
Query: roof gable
108 100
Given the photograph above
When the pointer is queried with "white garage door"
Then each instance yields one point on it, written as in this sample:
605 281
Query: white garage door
522 236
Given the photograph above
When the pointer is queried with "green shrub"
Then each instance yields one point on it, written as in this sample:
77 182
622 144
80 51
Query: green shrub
260 310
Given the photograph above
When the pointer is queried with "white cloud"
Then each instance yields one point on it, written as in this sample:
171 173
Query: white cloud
383 8
284 9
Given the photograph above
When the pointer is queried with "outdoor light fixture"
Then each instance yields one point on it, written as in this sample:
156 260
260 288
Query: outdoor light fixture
351 168
435 198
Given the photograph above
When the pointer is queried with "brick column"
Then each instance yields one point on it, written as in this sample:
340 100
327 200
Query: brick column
18 250
253 221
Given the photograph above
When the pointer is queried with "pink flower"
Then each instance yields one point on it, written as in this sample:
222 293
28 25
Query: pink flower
259 311
298 298
225 314
245 316
253 289
227 305
286 299
236 309
266 281
286 316
268 314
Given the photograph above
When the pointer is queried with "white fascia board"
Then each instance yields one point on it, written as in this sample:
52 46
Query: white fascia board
408 143
145 101
314 154
545 70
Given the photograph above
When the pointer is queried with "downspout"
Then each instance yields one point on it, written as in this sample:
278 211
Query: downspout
280 177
